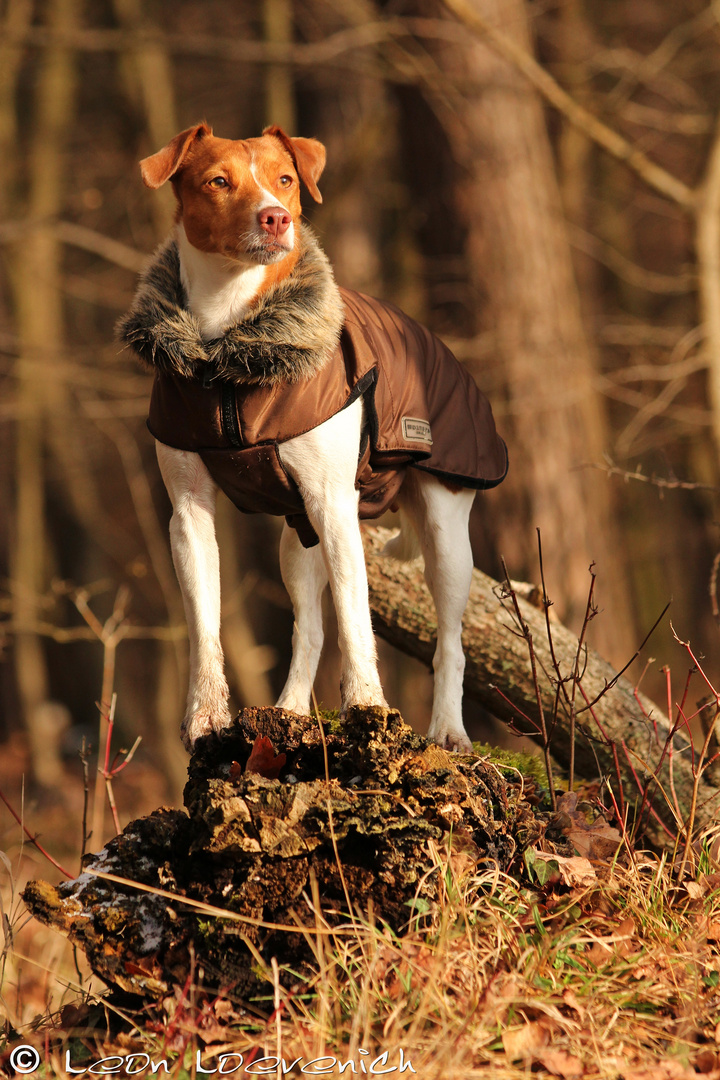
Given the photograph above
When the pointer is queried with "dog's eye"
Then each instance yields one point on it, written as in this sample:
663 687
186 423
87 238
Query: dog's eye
285 181
218 182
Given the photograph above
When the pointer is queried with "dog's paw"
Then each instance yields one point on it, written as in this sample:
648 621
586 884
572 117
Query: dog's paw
450 738
295 704
203 722
363 692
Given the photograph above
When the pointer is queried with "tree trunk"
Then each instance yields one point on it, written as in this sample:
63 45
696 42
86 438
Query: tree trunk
37 269
623 730
279 85
553 420
148 72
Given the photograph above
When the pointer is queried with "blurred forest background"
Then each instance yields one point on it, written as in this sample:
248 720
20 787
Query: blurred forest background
538 180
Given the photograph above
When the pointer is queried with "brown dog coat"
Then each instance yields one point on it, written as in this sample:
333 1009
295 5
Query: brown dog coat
308 353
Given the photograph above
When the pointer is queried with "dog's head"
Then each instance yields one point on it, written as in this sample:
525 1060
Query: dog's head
238 198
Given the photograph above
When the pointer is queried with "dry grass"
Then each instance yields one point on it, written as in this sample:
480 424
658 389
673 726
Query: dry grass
616 979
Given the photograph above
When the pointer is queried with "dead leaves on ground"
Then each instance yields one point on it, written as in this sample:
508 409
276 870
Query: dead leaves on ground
531 1043
594 840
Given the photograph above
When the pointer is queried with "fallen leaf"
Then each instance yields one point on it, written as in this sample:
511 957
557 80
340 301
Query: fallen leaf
592 840
560 1063
574 871
619 943
73 1016
524 1042
597 842
706 1061
264 760
146 965
660 1070
570 999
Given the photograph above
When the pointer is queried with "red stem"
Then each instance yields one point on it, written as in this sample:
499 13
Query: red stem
34 841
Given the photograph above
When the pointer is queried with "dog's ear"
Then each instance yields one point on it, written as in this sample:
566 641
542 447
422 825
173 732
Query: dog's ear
158 168
308 155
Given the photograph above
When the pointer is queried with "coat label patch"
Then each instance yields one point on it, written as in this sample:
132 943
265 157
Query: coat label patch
416 430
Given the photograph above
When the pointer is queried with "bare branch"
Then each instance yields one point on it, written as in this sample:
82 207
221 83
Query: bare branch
629 271
615 144
663 482
111 250
679 123
652 64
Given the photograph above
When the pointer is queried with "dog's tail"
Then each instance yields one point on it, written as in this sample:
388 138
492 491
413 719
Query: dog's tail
404 546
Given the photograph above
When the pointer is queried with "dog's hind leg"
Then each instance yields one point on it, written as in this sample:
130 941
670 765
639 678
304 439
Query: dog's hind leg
197 565
305 577
441 520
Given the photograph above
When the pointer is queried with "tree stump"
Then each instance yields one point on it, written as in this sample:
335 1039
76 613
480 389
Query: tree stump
363 813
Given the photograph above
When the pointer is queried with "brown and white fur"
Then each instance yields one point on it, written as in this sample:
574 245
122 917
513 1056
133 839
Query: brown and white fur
238 203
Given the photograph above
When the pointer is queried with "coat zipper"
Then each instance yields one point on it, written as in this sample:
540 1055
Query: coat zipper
228 415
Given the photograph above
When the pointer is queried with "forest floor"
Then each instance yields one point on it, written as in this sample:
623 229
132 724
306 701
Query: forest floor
609 969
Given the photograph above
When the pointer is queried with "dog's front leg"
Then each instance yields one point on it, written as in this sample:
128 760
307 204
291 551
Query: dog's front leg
323 463
197 565
305 577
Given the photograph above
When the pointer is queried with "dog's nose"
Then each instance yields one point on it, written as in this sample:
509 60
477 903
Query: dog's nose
275 220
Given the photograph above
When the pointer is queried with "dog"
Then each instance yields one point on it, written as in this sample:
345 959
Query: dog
300 399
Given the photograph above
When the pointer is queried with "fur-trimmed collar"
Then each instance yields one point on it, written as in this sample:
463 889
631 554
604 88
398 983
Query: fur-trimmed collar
288 336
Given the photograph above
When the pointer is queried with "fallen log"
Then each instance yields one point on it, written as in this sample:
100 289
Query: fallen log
619 733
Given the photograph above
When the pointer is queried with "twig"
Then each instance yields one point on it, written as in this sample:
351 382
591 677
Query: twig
33 839
107 775
86 796
527 634
533 724
610 743
109 772
663 482
576 676
590 613
625 269
690 823
211 909
641 787
701 764
609 685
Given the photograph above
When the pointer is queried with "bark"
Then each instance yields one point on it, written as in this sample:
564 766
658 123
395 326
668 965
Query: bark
278 78
349 223
623 726
368 813
148 73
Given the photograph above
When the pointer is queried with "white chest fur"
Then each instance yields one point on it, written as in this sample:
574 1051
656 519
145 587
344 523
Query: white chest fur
219 290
